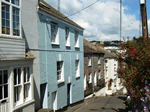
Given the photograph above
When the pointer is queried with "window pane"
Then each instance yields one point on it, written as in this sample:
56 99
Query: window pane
7 15
3 22
7 8
7 30
16 24
14 18
16 2
7 23
28 75
3 14
1 92
18 32
24 74
5 76
15 76
26 90
6 19
17 93
19 75
17 19
5 91
0 77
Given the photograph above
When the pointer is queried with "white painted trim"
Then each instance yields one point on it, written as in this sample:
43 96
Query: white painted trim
46 14
11 19
24 104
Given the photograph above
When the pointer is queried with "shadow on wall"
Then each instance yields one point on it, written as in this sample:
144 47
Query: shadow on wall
26 42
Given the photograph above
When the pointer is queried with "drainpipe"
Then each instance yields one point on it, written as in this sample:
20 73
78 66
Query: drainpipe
92 76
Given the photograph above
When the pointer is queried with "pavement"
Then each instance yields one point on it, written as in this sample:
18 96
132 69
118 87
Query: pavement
101 104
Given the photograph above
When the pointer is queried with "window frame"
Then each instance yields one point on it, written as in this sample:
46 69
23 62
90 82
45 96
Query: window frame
61 70
27 82
99 60
31 97
17 85
3 84
11 5
56 42
77 68
76 38
90 78
89 61
67 37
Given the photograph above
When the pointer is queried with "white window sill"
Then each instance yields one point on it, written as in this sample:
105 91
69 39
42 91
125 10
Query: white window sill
23 104
68 45
60 81
77 76
10 36
54 43
77 46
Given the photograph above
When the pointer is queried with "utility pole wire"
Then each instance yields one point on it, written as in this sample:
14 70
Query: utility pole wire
82 9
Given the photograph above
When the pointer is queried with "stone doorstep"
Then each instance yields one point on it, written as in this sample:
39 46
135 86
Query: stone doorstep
46 110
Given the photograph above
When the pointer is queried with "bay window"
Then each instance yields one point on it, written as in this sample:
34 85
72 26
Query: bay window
10 17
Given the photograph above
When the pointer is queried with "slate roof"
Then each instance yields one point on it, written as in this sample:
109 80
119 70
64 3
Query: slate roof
52 11
90 48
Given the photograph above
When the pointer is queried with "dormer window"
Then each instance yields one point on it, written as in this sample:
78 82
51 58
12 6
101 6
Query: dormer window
7 21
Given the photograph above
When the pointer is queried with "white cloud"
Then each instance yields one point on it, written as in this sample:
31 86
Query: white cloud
102 20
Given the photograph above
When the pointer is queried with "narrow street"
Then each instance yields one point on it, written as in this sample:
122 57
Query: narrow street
105 104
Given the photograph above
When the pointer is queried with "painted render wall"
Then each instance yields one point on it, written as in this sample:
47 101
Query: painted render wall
31 36
50 54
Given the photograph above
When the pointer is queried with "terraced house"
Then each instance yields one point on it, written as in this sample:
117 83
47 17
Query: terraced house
61 58
93 68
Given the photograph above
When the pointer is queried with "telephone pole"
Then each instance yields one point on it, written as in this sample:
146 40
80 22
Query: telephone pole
58 5
144 19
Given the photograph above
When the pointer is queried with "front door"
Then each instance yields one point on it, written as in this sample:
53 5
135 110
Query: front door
68 94
44 96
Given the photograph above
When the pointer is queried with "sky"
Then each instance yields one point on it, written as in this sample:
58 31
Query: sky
101 21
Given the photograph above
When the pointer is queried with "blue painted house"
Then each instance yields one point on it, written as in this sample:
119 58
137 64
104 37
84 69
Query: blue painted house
61 58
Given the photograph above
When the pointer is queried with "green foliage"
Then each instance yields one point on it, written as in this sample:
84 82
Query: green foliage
137 67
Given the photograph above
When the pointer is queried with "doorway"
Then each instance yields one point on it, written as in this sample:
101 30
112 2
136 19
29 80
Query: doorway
44 96
68 93
54 101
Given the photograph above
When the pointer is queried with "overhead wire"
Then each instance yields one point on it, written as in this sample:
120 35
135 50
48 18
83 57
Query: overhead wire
81 9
